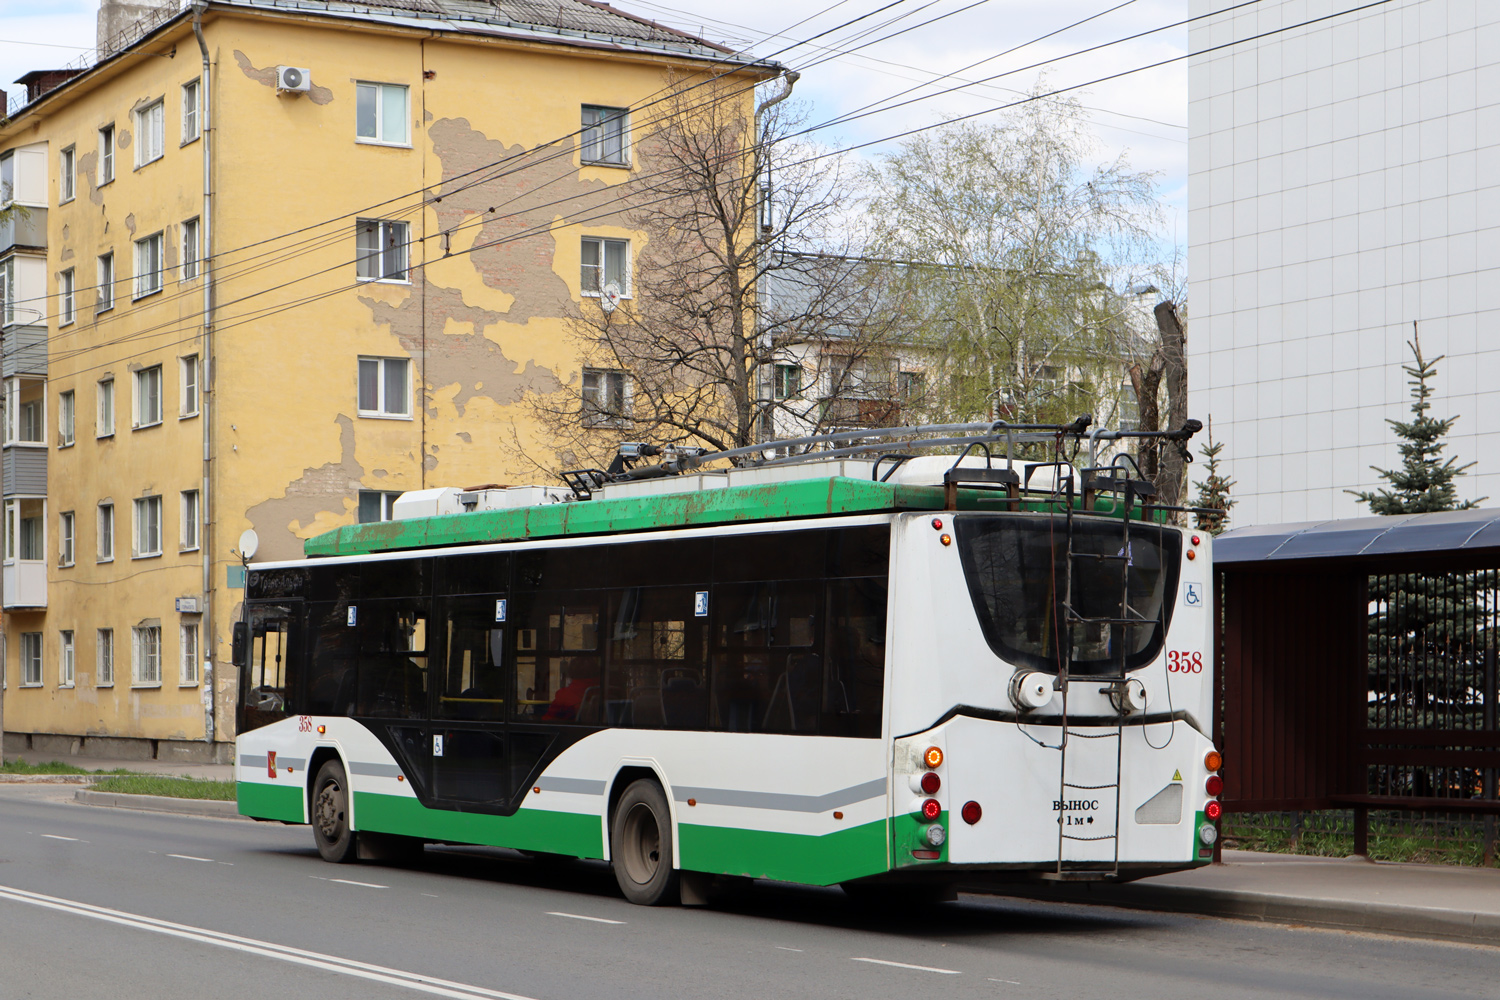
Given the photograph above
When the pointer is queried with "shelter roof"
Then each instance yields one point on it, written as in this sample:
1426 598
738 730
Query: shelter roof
1449 531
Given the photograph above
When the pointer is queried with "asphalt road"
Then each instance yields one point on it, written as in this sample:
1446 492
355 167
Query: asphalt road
114 904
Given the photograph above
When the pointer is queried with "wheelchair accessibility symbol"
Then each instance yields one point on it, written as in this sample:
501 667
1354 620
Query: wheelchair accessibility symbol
1192 595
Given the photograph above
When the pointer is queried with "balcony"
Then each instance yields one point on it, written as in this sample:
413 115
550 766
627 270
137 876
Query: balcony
23 350
23 584
23 577
846 412
23 471
25 228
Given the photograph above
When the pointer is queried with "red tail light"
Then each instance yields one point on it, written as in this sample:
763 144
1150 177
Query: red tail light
931 809
971 813
1214 785
931 782
1213 810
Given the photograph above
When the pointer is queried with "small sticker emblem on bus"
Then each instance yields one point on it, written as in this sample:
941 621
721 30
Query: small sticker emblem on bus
437 745
500 611
1192 595
353 615
700 604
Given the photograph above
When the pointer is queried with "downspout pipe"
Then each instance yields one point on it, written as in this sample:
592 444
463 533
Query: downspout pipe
208 641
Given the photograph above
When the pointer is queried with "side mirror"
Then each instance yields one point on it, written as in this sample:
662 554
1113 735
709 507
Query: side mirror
240 645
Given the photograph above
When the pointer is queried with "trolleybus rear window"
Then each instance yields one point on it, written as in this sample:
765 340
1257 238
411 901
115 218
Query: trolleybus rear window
1018 576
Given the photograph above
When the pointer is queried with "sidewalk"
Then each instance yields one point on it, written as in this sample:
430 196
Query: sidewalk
1426 901
218 772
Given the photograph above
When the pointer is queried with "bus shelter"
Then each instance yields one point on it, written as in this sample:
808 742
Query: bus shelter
1357 666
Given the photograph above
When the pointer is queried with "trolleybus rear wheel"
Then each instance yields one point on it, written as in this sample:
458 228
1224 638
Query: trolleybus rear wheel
330 814
640 845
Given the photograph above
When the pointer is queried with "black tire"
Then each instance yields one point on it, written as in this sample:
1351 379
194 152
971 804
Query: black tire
330 815
640 845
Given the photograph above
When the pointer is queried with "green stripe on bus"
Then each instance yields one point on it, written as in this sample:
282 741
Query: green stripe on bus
906 837
266 801
575 834
787 857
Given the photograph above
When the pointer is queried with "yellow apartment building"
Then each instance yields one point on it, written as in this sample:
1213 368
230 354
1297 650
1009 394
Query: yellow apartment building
267 264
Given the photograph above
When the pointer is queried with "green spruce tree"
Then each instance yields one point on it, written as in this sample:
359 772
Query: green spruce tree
1213 492
1424 483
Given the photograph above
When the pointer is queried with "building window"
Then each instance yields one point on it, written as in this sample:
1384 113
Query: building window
65 658
148 397
8 291
106 290
106 532
67 180
7 177
380 113
31 659
190 520
147 540
65 313
25 411
380 250
66 529
188 676
376 506
106 154
150 133
384 387
148 266
104 416
190 254
66 418
25 538
604 135
604 397
104 657
189 385
145 656
786 381
190 126
605 263
910 386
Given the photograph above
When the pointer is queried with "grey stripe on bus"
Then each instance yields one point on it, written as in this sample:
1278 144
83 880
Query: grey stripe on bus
253 760
782 801
374 770
578 786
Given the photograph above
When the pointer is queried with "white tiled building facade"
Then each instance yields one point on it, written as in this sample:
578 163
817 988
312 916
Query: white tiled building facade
1344 181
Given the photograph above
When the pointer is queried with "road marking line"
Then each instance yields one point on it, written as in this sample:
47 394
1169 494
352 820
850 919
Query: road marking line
189 857
1013 982
580 916
54 836
297 956
229 863
903 965
367 885
430 895
783 947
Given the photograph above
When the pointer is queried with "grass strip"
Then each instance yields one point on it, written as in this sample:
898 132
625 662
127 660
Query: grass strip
158 784
50 767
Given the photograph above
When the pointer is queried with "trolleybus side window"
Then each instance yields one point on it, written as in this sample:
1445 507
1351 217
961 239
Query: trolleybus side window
332 652
558 668
656 647
855 683
392 658
472 685
267 677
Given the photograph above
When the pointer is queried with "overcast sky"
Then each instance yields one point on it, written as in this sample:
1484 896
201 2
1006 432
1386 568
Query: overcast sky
1144 113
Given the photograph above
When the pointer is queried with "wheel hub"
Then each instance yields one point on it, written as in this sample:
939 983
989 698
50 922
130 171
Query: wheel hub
329 811
642 844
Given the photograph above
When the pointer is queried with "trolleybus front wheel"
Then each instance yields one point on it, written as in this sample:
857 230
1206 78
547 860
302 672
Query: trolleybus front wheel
330 814
640 845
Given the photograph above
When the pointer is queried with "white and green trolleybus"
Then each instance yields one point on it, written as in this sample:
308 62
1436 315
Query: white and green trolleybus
882 672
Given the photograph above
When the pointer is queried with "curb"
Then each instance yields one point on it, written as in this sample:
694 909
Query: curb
1335 914
160 803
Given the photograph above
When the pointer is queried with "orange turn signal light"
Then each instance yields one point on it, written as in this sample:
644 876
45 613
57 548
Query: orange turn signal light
933 757
1191 555
322 730
946 539
1213 760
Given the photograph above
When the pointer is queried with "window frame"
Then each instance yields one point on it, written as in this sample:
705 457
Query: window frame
144 275
106 154
386 503
192 262
67 658
67 539
104 657
67 418
597 142
381 412
104 532
67 312
31 658
139 658
101 396
601 269
190 514
187 386
191 115
187 654
141 527
150 123
782 373
67 174
590 412
383 251
380 138
104 299
139 418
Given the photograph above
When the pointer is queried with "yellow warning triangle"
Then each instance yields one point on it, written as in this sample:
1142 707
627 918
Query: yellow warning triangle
1176 775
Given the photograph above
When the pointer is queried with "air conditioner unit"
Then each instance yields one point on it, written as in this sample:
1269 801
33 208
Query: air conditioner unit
293 79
